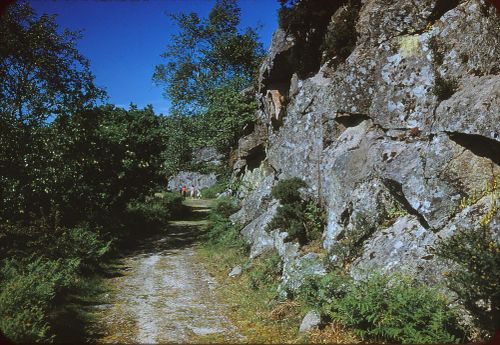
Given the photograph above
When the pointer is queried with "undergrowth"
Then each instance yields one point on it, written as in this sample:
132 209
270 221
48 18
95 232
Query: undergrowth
303 220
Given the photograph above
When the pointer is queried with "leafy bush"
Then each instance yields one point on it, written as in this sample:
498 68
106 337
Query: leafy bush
155 212
302 220
225 206
213 191
315 220
265 270
320 292
396 308
54 242
222 232
475 256
287 191
27 295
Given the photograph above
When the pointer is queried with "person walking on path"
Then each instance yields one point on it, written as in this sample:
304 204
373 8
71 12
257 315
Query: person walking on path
192 190
184 191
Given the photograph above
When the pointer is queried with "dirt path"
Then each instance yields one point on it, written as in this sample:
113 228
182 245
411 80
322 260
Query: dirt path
162 293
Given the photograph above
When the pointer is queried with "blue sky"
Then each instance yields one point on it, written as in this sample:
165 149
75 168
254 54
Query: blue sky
124 39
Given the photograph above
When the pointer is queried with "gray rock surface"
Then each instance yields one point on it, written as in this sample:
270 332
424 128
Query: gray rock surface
310 321
377 133
296 270
188 178
257 234
208 154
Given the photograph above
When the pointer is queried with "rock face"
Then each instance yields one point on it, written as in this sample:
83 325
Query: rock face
188 178
409 121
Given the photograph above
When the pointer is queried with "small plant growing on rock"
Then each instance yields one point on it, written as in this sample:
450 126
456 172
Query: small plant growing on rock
302 220
444 88
392 214
350 245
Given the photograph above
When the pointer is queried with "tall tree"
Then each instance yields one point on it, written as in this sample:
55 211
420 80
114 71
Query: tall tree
208 63
42 75
41 71
206 55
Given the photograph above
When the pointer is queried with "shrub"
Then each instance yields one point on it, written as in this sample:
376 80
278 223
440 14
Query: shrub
153 213
315 220
396 308
475 254
212 191
222 232
319 292
302 220
225 206
27 295
287 191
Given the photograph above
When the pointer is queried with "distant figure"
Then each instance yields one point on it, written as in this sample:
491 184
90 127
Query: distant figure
184 191
192 190
198 194
180 190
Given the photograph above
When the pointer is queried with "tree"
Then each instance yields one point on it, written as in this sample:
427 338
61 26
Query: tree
42 76
208 65
206 55
41 71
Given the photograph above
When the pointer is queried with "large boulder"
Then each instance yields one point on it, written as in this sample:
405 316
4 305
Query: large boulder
188 178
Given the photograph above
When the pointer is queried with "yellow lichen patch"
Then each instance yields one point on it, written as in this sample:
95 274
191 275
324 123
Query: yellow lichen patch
409 46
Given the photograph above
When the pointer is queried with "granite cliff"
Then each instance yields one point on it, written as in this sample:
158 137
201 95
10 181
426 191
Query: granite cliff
401 126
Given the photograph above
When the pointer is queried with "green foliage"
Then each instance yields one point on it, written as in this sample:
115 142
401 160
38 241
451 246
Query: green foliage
227 113
27 295
444 88
302 220
152 214
287 191
52 242
211 192
320 292
207 56
225 206
475 256
392 213
266 270
315 220
340 37
387 308
222 233
208 65
41 72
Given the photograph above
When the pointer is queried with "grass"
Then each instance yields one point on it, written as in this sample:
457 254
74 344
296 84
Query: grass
249 309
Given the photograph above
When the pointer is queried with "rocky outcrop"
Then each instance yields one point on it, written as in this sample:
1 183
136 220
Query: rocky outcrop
188 178
207 154
410 121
